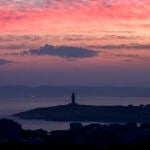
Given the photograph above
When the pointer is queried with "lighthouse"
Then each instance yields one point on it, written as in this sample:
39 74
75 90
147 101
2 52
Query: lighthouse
73 98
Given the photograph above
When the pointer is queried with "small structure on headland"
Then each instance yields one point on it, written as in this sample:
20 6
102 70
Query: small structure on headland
73 98
88 113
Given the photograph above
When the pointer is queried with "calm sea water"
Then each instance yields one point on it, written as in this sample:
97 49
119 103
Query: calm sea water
9 106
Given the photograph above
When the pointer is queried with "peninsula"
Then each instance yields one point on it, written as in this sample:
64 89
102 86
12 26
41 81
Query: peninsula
77 112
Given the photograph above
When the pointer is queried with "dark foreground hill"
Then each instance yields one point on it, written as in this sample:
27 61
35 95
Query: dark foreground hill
78 137
76 112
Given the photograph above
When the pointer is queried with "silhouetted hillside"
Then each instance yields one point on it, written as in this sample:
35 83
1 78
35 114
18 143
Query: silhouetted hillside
76 112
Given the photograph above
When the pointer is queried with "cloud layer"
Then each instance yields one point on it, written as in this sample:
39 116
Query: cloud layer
67 3
123 46
73 16
3 61
61 51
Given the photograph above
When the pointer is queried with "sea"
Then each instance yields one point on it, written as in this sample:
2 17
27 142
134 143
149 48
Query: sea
10 106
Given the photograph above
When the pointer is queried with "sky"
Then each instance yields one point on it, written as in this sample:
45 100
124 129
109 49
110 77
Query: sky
75 42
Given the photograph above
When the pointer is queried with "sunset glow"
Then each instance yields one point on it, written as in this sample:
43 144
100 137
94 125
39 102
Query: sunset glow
118 31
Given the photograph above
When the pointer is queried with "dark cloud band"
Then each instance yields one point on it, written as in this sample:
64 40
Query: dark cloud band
62 51
3 61
122 46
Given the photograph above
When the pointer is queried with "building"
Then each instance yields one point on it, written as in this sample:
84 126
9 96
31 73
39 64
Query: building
73 98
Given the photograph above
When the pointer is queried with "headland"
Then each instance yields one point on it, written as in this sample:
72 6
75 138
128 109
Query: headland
89 113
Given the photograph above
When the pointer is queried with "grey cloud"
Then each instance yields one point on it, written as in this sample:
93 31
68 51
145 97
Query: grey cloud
126 57
106 37
69 53
40 4
8 38
117 31
10 42
121 37
3 62
14 46
122 46
80 37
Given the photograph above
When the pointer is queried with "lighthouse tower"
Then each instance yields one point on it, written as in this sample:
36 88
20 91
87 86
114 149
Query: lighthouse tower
73 98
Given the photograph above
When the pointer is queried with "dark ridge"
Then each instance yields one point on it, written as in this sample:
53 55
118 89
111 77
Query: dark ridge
76 112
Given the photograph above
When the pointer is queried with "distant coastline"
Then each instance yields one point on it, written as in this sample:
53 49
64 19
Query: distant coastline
89 113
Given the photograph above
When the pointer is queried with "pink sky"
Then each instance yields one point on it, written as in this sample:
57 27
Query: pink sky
91 24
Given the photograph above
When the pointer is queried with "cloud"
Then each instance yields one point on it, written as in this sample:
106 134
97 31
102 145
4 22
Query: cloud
67 3
7 38
70 15
10 42
25 5
120 37
3 62
128 56
69 53
14 46
123 46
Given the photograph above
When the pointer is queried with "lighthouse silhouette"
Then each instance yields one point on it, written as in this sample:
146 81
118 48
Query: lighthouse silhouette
73 98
